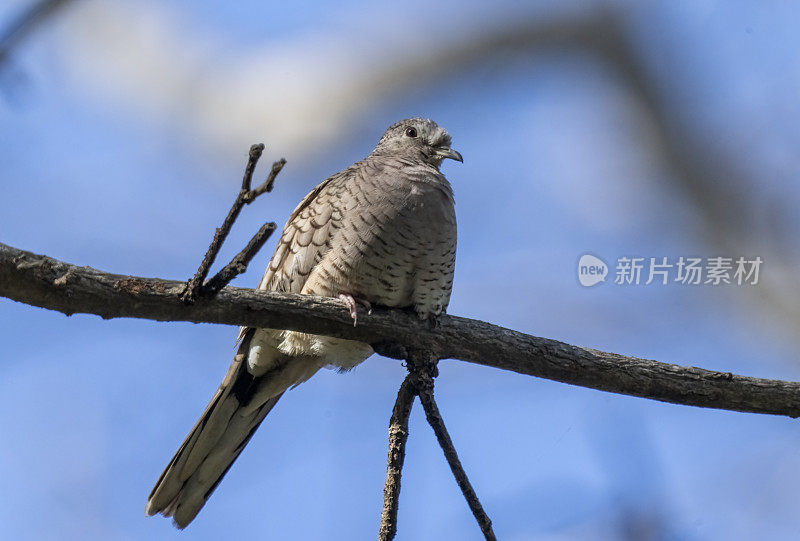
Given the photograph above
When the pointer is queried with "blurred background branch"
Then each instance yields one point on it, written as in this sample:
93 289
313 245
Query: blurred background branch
25 24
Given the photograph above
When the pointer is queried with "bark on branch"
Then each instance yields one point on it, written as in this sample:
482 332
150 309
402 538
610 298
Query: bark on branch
48 283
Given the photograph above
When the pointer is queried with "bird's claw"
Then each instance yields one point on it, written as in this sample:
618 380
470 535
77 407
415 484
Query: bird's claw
350 303
366 305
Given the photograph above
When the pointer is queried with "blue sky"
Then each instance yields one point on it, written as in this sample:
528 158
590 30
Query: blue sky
556 165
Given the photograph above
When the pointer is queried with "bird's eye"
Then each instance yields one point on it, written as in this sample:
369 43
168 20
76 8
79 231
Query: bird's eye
411 132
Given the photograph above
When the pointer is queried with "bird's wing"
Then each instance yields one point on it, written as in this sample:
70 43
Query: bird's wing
305 238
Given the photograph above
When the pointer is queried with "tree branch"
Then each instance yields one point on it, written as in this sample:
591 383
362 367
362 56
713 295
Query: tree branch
48 283
398 435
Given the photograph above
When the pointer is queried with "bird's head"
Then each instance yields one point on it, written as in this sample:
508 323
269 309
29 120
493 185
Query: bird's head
418 137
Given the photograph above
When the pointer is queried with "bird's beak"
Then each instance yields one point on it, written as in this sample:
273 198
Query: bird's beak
446 152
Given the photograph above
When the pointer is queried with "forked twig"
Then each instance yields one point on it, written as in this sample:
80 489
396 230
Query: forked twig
197 285
422 370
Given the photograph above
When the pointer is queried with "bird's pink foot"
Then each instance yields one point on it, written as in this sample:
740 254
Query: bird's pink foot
350 303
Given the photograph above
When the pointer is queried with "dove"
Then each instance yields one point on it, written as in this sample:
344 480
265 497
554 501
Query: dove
381 232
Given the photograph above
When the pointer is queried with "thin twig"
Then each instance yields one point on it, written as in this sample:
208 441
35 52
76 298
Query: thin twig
265 186
437 423
194 287
239 263
398 435
254 156
423 369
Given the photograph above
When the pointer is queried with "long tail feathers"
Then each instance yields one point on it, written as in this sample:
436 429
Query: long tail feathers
212 445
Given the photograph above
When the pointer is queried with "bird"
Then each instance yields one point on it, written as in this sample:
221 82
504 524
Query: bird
380 232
